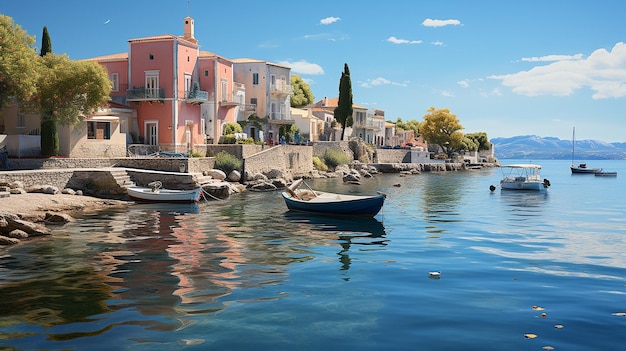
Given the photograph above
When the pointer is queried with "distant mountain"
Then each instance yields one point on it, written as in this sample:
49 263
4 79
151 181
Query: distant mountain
535 147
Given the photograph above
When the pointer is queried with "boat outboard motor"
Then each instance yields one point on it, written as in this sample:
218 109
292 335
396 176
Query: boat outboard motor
546 183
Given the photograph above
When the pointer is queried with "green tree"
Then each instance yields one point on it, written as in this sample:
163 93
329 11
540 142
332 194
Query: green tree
302 94
409 125
443 128
68 91
46 44
480 139
49 133
343 111
18 63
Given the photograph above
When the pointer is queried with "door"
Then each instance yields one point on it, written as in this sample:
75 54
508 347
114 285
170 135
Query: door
152 133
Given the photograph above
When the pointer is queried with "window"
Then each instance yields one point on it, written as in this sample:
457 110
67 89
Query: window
206 72
21 120
253 101
224 88
151 57
123 125
115 81
98 130
255 78
187 84
152 84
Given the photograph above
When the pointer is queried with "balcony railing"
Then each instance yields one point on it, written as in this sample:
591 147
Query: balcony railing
143 94
248 108
197 96
281 89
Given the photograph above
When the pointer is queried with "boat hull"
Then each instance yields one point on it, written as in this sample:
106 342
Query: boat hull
141 194
584 170
333 204
528 186
606 174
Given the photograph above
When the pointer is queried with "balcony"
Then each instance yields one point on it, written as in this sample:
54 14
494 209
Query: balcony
196 96
369 124
143 94
281 88
248 108
232 102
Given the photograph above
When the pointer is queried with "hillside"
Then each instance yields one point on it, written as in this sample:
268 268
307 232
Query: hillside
535 147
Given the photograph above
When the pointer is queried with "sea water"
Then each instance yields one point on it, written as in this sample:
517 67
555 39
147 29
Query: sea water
514 271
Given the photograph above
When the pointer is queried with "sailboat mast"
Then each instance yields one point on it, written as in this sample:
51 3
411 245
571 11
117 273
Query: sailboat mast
573 143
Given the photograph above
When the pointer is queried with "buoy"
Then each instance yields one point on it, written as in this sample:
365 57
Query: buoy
492 187
434 275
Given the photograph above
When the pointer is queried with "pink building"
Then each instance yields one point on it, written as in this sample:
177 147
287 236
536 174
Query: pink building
182 96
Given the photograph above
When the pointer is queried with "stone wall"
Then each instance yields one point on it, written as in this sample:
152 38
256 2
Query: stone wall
320 147
240 151
294 160
401 156
168 164
58 178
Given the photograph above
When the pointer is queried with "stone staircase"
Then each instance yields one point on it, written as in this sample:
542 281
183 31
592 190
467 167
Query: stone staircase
122 178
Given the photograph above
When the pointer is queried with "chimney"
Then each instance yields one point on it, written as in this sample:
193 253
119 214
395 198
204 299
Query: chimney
325 101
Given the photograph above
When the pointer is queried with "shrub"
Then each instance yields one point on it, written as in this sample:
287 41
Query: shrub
245 141
334 158
319 164
227 163
228 139
232 128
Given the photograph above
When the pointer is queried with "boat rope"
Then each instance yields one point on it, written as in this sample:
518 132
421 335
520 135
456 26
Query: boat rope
205 193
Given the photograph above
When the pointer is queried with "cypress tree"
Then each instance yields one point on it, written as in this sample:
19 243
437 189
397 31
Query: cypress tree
46 44
49 133
343 111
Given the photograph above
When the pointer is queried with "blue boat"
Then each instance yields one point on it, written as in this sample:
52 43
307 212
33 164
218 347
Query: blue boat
331 203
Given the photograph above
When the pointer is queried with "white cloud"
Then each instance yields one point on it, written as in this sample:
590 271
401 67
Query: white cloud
381 81
446 93
303 67
329 20
464 83
440 23
604 72
552 58
395 40
437 43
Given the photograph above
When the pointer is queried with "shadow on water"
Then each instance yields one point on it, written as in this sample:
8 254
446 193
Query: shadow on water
350 231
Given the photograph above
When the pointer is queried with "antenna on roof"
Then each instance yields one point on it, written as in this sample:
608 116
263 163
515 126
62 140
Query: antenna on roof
188 8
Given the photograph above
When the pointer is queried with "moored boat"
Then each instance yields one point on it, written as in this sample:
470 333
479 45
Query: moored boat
581 168
603 173
154 193
331 203
522 177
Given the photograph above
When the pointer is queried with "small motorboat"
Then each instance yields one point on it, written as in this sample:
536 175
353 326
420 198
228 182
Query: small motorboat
155 193
522 177
331 203
603 173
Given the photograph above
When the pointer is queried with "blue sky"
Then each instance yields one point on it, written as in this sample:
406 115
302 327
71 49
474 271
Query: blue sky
532 67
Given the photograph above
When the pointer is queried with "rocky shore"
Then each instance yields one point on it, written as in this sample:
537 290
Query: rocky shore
28 215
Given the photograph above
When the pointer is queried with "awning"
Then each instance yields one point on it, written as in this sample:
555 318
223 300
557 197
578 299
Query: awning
104 118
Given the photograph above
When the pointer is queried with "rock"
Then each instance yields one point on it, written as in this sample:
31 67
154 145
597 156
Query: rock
216 174
16 184
51 190
260 177
68 191
33 229
262 186
79 192
18 234
17 191
351 177
234 176
58 218
5 240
